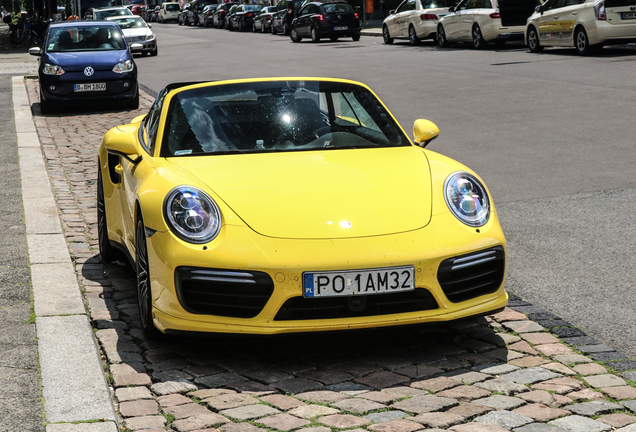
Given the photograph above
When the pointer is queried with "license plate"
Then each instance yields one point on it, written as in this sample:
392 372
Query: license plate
89 87
359 282
628 15
341 28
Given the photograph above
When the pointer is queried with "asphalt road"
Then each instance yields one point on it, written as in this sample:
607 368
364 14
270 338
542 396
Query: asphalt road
551 134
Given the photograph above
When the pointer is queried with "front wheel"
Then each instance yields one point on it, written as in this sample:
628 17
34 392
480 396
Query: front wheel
155 52
386 36
582 43
293 35
413 36
533 41
315 37
356 37
442 42
144 288
274 31
107 252
478 39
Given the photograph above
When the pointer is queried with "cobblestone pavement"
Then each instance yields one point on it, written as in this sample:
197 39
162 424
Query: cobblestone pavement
521 370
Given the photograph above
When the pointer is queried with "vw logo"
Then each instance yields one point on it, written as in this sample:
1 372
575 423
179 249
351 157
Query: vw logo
89 71
339 17
632 8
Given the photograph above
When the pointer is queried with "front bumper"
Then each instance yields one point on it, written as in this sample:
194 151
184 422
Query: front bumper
278 265
60 89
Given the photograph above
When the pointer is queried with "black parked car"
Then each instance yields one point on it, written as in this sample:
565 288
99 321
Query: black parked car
243 17
334 19
286 10
205 17
218 19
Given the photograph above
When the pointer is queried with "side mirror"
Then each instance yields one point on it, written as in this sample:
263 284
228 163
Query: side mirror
538 9
451 9
136 48
35 51
149 25
392 12
424 131
122 141
138 119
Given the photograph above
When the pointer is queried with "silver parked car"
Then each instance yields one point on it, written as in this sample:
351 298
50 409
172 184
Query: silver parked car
136 30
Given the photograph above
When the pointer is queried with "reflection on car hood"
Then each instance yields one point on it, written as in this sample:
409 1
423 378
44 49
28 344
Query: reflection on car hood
135 32
77 60
322 194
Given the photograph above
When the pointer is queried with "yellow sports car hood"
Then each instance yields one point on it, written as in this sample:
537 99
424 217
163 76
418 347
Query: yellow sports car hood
321 194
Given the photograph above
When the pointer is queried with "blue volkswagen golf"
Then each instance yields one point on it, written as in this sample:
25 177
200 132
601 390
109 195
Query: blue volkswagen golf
86 62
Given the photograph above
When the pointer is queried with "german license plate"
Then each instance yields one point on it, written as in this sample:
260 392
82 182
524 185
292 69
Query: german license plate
341 28
359 282
628 15
89 87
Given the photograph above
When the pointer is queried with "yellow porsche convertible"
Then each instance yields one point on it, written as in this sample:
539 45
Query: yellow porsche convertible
284 205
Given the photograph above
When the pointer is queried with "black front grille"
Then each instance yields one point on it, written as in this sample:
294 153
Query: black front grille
468 276
229 293
300 308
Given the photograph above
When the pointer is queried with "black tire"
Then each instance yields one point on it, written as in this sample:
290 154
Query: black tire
478 40
413 36
179 22
386 35
533 40
315 37
144 288
333 38
263 28
134 102
45 107
253 27
581 41
274 31
356 37
442 42
155 52
293 35
106 251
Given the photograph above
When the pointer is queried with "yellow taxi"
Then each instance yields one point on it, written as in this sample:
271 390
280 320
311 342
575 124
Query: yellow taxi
415 20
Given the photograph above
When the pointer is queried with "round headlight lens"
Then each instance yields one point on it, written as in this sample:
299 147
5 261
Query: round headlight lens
192 215
467 199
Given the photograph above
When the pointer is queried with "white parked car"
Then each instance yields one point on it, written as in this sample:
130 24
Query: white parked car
136 30
415 20
169 12
484 21
583 24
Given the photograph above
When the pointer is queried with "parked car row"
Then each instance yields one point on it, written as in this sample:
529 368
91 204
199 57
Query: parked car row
584 24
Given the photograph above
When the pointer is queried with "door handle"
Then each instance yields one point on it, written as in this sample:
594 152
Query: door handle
119 169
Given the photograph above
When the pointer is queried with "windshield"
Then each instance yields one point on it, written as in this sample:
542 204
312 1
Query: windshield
131 22
277 116
252 8
337 7
100 15
85 38
432 4
172 7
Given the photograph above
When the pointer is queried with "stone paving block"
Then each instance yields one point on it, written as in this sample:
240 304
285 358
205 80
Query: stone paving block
618 420
567 332
529 361
530 375
495 368
606 380
138 408
586 394
623 365
267 376
589 369
311 411
523 346
137 379
146 422
523 326
580 340
631 375
173 400
343 421
186 410
435 385
553 323
358 406
227 401
324 396
283 422
438 419
282 402
477 427
559 368
620 392
404 391
469 410
630 428
608 356
554 349
252 388
541 412
464 393
424 404
500 402
467 377
631 405
170 387
504 419
567 359
503 386
598 348
576 423
560 385
508 315
348 388
241 427
539 338
540 427
326 376
385 416
219 380
419 371
320 429
401 425
297 385
593 408
201 421
380 397
249 412
207 393
126 394
382 379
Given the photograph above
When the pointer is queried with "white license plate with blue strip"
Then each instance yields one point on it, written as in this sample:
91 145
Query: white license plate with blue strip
358 282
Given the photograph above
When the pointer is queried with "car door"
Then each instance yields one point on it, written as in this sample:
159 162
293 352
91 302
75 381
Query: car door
403 17
566 19
452 20
548 26
303 21
391 20
467 19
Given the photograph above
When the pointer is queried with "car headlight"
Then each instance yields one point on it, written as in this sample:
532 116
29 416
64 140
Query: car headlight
125 66
150 36
192 215
467 199
51 69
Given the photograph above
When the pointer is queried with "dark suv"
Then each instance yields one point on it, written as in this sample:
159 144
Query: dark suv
286 10
332 19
